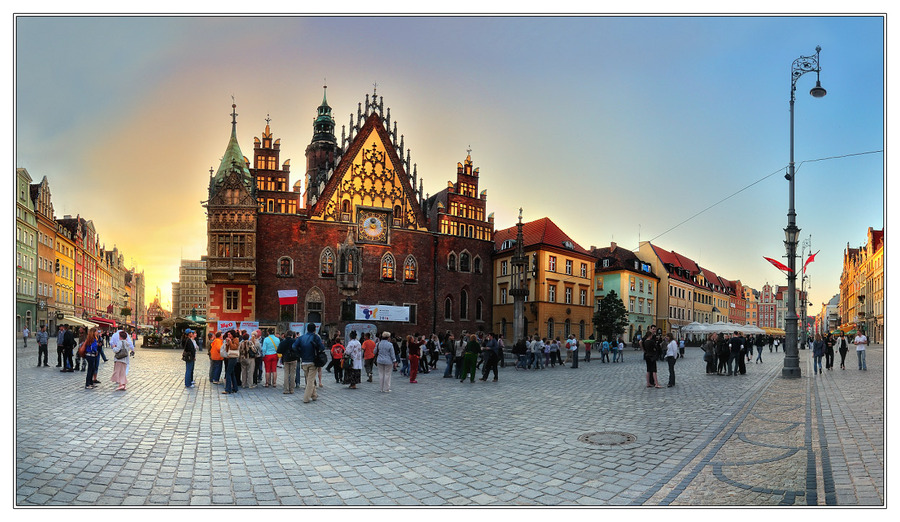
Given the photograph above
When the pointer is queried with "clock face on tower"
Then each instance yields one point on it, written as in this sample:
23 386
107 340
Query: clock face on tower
372 226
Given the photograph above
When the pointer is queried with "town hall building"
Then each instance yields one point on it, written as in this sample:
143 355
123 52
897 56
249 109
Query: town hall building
355 234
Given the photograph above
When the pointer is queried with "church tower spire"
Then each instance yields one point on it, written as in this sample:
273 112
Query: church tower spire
321 152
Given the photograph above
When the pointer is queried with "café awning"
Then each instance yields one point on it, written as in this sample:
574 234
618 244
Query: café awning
104 321
74 321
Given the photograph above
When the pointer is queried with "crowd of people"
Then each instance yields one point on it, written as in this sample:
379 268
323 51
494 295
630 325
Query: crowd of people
246 360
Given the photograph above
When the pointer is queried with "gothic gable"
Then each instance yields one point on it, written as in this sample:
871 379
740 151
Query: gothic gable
231 191
370 175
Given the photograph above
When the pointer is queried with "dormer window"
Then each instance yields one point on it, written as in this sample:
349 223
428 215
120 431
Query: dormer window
509 243
569 245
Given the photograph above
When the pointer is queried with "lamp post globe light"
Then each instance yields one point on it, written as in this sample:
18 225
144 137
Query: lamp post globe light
791 369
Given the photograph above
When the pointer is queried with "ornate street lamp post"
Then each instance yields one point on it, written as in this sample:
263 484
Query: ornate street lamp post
791 369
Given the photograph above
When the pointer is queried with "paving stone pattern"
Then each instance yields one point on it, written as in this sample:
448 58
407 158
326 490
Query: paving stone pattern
752 440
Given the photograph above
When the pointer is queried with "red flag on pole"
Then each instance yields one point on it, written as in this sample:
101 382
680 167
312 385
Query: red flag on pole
809 260
287 297
778 264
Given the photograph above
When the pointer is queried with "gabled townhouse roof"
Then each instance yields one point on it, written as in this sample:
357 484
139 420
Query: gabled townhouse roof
540 232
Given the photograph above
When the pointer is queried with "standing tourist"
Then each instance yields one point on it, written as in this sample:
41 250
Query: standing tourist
621 343
521 351
269 350
842 348
860 341
458 353
25 333
449 348
188 355
386 361
337 360
671 354
709 353
43 338
413 351
60 340
232 354
353 361
490 357
306 346
404 357
470 358
368 347
90 358
121 351
572 346
69 344
258 364
215 359
247 360
288 361
648 344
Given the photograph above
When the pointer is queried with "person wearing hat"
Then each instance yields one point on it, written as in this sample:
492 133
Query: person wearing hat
386 360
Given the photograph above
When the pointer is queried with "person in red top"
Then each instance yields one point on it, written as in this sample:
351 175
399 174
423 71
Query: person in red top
337 359
368 347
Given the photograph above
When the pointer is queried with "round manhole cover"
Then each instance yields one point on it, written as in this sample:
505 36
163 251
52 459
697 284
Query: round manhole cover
608 438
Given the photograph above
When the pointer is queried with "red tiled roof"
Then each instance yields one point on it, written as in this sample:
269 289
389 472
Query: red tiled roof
541 232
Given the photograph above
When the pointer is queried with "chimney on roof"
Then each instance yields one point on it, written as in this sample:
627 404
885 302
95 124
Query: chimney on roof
612 246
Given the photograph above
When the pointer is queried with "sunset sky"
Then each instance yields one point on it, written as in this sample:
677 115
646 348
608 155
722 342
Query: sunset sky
617 128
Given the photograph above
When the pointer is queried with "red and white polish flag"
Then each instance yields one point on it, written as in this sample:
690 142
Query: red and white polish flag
287 297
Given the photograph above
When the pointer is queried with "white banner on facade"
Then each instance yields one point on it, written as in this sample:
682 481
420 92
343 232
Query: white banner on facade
301 327
227 325
382 313
249 326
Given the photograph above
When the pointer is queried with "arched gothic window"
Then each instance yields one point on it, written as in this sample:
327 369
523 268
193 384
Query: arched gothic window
387 267
476 265
326 263
479 310
451 262
448 309
285 266
410 269
464 262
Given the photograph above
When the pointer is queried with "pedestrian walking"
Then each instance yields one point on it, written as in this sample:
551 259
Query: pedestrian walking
189 356
368 346
386 361
843 348
353 361
672 354
829 352
122 350
621 343
681 348
43 339
604 351
25 333
69 344
860 341
818 353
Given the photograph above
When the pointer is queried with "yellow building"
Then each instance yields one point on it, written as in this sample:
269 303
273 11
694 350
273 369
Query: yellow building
862 287
64 268
559 275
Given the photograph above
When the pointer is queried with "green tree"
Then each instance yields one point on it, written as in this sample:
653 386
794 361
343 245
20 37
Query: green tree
611 318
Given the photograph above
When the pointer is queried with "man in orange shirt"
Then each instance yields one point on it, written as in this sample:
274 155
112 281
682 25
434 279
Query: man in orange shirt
215 364
368 347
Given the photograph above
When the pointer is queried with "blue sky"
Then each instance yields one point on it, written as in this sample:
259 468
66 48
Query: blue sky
617 128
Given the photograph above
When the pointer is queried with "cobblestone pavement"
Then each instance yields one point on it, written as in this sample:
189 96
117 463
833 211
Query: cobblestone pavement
752 440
